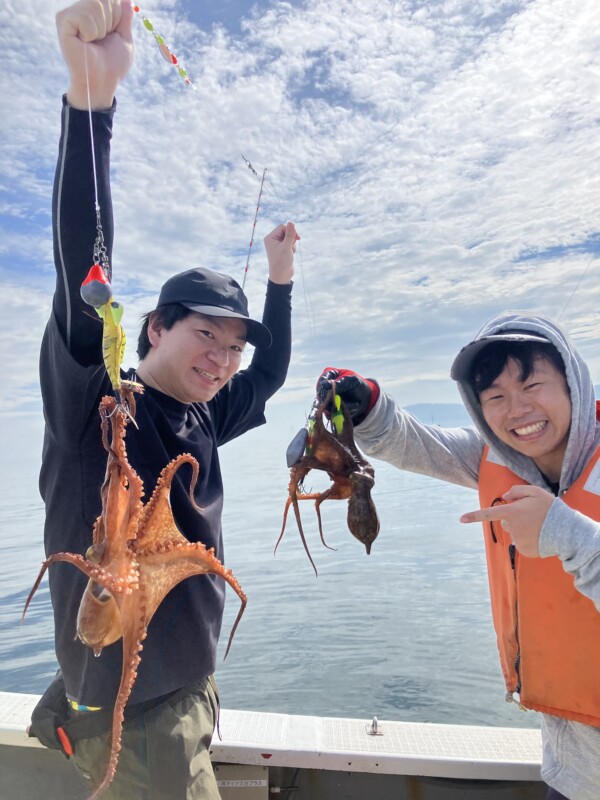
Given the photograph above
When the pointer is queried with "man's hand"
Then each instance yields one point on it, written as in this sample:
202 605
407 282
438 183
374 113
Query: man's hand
522 516
359 394
280 245
103 29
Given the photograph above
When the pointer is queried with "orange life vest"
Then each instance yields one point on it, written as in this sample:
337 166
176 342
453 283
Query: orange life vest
548 633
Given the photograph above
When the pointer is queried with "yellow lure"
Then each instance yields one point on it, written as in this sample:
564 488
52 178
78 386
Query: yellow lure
337 417
113 340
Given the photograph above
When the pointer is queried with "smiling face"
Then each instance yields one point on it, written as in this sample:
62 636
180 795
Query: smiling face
195 358
533 416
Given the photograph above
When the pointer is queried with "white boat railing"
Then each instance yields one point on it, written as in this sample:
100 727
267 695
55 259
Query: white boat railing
349 745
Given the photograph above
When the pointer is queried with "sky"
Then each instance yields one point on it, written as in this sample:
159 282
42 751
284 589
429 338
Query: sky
440 161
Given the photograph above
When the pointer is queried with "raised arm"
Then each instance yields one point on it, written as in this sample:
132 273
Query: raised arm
389 433
99 31
272 364
242 407
280 245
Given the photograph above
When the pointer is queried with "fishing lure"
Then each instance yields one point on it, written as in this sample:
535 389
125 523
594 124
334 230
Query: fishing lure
171 58
165 50
96 291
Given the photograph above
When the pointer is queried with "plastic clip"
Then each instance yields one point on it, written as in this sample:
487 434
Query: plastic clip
65 742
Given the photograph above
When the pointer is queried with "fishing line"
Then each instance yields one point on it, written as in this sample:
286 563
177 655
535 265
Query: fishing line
576 288
89 104
100 254
305 292
298 255
262 183
172 59
96 290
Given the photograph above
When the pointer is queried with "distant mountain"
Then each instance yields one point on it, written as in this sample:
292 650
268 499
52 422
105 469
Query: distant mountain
447 415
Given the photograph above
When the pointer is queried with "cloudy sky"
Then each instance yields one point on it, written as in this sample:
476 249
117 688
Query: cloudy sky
440 160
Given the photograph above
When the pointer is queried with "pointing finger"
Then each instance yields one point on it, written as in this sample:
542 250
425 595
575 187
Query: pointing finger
485 514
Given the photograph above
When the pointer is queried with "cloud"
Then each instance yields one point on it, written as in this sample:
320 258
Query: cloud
438 159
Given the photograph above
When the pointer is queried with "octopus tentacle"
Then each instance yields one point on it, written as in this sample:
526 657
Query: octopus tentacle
133 635
301 531
288 503
326 495
71 558
351 474
138 555
159 505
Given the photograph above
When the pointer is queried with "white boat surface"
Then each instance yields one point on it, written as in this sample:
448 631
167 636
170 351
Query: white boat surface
293 757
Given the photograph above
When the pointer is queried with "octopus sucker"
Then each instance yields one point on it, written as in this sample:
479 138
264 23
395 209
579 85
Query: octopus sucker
130 541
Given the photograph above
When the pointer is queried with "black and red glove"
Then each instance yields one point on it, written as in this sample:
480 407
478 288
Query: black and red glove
359 394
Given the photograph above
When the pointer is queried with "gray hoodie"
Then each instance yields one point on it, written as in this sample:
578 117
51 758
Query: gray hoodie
571 750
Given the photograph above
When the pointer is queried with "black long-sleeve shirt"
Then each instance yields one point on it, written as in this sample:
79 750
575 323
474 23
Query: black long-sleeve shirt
182 636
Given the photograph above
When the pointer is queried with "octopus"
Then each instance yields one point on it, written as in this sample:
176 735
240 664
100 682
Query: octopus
351 474
136 557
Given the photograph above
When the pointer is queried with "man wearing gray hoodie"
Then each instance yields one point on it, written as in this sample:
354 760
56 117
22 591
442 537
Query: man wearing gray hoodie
534 456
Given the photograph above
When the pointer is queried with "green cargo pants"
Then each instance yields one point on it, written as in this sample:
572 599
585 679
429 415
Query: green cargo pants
165 750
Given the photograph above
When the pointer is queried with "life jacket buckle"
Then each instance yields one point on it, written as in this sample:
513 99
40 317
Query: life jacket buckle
509 697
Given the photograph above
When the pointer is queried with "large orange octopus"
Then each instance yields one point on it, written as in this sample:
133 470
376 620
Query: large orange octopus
352 476
137 556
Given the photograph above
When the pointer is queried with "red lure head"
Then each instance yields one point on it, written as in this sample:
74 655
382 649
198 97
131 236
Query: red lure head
96 289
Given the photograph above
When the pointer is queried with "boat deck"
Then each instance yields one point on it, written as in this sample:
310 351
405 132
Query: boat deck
464 752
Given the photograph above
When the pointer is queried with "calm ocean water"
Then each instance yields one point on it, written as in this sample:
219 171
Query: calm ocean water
403 634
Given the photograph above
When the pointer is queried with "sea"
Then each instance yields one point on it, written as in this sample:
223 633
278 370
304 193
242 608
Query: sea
404 633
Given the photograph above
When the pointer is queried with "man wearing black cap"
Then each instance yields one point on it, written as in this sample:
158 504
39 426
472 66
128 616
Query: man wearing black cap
194 400
534 456
191 345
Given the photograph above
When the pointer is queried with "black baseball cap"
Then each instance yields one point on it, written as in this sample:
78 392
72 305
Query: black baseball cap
463 363
216 295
